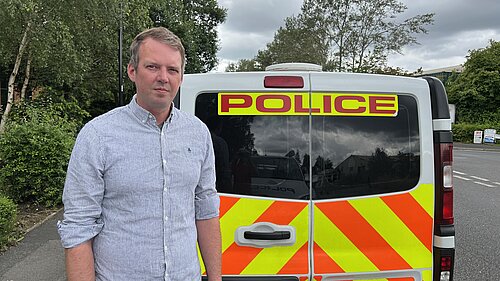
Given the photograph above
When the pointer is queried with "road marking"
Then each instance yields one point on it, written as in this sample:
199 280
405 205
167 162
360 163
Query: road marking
478 178
460 173
485 184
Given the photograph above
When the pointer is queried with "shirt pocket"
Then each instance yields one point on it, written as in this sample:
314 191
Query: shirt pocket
184 161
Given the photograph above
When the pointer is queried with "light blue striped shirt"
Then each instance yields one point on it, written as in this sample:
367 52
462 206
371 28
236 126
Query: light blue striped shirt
137 189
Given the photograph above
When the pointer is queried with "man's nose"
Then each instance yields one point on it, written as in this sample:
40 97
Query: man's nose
163 75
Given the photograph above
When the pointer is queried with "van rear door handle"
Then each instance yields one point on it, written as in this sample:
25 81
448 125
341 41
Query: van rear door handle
275 235
265 235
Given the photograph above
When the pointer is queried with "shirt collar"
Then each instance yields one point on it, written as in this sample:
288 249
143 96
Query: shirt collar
143 115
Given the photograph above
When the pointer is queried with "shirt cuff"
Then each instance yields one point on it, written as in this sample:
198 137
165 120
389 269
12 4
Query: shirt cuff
207 208
74 235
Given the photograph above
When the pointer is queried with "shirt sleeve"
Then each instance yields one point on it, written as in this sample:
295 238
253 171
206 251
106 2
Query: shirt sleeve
206 197
83 190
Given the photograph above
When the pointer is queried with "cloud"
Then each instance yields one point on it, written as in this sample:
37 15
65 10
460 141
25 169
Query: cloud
250 25
443 52
459 26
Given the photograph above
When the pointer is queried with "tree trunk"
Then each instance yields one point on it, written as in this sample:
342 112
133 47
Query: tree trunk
12 79
26 78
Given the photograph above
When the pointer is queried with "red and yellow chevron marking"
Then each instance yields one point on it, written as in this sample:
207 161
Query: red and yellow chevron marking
375 234
242 260
360 235
426 276
378 279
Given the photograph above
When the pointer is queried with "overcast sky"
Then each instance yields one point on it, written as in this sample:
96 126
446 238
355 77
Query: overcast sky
459 26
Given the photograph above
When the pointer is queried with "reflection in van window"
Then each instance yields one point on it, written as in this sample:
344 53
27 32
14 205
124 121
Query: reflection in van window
351 156
354 156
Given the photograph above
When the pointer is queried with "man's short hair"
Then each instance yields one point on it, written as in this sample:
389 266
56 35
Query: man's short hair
160 34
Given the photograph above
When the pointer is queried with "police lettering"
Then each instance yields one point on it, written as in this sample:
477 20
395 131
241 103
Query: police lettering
299 104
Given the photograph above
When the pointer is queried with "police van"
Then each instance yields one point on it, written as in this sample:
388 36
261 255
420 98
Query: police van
329 176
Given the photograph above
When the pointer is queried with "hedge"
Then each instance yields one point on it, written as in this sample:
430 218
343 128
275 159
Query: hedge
8 215
35 150
34 157
464 132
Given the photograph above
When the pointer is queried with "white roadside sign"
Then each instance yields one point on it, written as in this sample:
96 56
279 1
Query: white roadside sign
489 135
478 136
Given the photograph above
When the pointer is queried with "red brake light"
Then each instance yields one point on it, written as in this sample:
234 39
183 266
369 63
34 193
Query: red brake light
444 181
447 207
283 82
446 263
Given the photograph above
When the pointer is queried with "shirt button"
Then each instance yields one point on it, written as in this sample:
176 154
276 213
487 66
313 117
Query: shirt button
164 161
166 218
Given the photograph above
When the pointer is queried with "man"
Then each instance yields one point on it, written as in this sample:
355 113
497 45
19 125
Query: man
140 189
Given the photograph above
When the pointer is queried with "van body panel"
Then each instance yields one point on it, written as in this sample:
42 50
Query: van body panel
248 212
380 232
313 196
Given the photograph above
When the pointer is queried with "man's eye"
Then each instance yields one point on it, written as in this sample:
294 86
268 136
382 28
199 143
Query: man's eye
152 67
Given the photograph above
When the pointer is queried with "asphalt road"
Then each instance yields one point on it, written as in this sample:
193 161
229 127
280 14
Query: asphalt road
477 214
40 257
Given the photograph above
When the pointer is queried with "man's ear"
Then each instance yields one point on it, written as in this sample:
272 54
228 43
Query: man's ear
131 72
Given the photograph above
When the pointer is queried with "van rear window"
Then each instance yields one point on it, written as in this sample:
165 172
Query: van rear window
323 156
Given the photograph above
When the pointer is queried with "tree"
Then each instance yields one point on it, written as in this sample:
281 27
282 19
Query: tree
300 40
73 45
345 35
244 65
56 43
11 13
476 91
195 22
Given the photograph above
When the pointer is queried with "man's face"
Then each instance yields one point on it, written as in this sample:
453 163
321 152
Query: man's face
158 75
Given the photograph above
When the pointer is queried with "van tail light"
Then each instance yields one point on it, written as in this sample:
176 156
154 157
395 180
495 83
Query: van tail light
444 183
283 82
446 267
444 230
446 263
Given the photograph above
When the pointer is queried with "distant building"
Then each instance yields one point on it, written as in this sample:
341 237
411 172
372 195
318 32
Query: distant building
441 73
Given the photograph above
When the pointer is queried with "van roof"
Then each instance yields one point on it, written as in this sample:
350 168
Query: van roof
295 66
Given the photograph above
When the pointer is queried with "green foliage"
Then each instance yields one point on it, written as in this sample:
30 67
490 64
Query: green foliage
8 213
476 91
34 152
464 132
353 35
195 22
48 105
244 65
74 44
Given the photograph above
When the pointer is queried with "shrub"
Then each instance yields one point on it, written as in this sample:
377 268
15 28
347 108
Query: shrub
8 213
49 104
464 132
34 152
